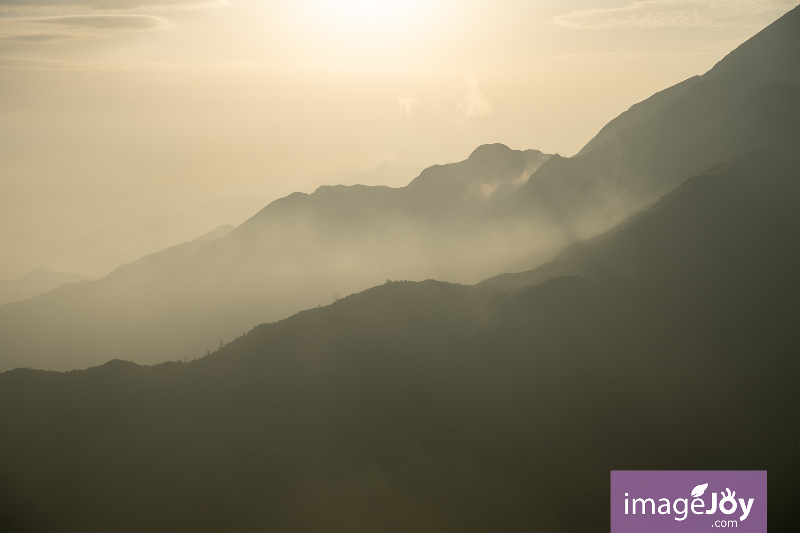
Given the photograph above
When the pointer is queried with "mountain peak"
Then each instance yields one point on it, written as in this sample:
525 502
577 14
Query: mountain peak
489 151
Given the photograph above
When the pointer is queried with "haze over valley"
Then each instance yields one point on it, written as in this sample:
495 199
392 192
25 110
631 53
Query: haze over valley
401 333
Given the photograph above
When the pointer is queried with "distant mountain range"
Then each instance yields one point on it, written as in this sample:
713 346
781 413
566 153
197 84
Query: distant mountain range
43 280
34 283
216 233
100 251
669 342
460 222
388 173
298 252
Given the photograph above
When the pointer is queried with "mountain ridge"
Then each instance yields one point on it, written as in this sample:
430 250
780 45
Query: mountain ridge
460 222
34 283
634 166
298 252
422 398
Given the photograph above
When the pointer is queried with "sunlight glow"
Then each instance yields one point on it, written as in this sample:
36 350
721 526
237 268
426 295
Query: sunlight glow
369 16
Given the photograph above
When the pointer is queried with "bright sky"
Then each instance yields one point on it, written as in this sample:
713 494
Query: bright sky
111 109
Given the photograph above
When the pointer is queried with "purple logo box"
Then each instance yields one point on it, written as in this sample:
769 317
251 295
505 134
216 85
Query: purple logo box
688 501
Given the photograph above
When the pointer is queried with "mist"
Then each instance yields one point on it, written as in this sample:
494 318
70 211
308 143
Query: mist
397 266
300 251
108 125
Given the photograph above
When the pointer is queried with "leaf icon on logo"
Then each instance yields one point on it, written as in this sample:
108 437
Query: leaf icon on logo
699 490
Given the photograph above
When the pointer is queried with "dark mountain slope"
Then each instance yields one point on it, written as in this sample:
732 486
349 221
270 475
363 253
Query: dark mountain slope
769 117
761 49
591 191
379 412
715 210
432 406
640 113
755 54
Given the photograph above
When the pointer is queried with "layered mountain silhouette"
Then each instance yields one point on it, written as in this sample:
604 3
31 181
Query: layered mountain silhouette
640 113
668 342
460 222
298 252
388 173
34 283
216 233
695 124
97 253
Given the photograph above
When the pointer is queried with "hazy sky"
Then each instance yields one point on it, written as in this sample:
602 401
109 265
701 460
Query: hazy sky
112 109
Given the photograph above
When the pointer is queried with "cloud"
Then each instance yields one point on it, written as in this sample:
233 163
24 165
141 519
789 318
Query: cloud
30 63
86 19
106 22
672 13
405 105
40 37
25 6
77 27
474 102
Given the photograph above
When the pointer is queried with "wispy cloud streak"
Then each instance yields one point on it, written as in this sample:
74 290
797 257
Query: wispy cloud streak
77 27
671 13
104 21
33 6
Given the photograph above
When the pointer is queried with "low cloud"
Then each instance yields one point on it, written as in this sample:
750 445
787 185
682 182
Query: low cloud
77 27
405 105
474 102
671 13
24 6
40 37
106 22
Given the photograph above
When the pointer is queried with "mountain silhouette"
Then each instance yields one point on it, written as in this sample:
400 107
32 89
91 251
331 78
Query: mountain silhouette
97 253
216 233
461 222
34 283
388 173
668 342
641 113
634 165
298 252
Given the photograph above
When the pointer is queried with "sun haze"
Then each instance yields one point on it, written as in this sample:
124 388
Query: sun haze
133 113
